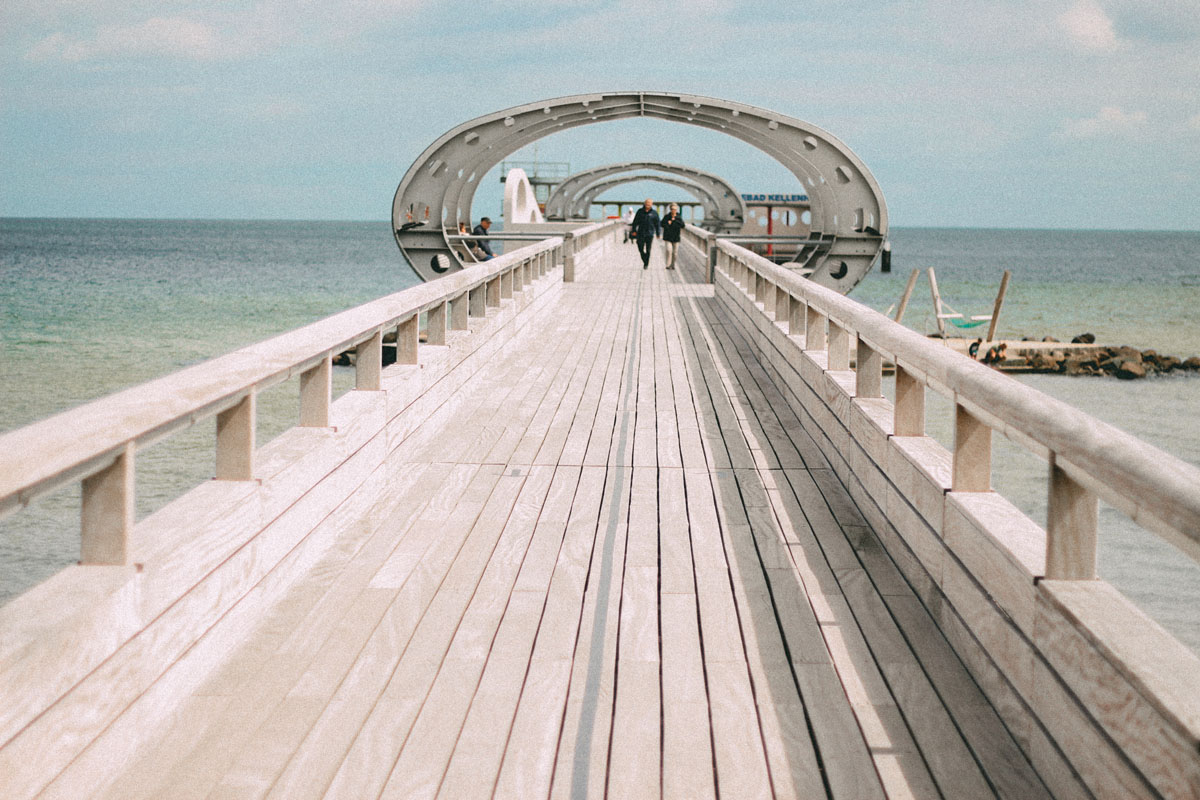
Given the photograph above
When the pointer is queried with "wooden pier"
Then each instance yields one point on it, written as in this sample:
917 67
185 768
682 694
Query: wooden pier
626 534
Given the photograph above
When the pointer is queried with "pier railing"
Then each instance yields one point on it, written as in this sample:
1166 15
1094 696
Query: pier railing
1059 652
96 444
1089 459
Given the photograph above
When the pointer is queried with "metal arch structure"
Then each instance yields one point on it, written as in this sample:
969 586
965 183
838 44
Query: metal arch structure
730 209
589 195
849 216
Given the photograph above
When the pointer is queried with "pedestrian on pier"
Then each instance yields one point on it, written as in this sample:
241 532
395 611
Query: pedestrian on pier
485 251
973 349
672 227
646 225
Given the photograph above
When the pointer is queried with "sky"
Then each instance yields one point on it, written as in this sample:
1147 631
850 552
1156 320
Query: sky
1004 113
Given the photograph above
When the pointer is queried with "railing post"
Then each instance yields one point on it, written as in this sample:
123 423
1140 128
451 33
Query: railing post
458 312
506 285
518 278
796 308
814 330
235 441
782 305
436 324
839 347
568 246
972 471
868 371
710 242
106 518
492 296
1072 521
316 387
408 338
368 364
909 413
476 306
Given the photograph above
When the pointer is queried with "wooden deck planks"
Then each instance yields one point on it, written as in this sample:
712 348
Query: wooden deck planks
613 567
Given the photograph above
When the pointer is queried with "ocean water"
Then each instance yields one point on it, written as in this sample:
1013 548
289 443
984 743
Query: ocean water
91 306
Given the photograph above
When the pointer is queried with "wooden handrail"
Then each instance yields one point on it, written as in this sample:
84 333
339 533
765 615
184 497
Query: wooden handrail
1155 489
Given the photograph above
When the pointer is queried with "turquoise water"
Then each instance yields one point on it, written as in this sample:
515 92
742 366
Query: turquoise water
92 306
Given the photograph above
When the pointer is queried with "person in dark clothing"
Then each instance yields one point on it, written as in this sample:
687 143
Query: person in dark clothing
482 244
646 225
672 227
973 350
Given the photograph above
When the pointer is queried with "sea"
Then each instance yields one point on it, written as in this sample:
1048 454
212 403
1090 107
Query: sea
91 306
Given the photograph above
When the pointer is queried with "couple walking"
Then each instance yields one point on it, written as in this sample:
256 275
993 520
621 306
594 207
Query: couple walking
646 225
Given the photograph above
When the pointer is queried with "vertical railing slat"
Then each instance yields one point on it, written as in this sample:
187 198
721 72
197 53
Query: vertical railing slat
408 340
972 470
868 371
368 364
909 419
106 517
1072 522
316 388
235 440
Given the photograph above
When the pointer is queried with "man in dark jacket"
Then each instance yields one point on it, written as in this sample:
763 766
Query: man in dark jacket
646 226
672 227
482 244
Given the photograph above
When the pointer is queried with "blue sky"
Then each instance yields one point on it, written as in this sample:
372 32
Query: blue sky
1010 113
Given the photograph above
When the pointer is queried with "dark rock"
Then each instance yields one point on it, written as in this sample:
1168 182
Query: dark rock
342 359
1150 355
1074 365
1192 363
1049 339
1128 370
1168 363
1044 363
1125 353
1084 338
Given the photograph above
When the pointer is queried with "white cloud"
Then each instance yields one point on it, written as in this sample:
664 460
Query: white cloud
1110 121
1088 26
172 37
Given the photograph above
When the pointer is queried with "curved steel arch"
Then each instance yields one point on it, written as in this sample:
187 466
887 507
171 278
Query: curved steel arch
696 190
730 210
849 216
